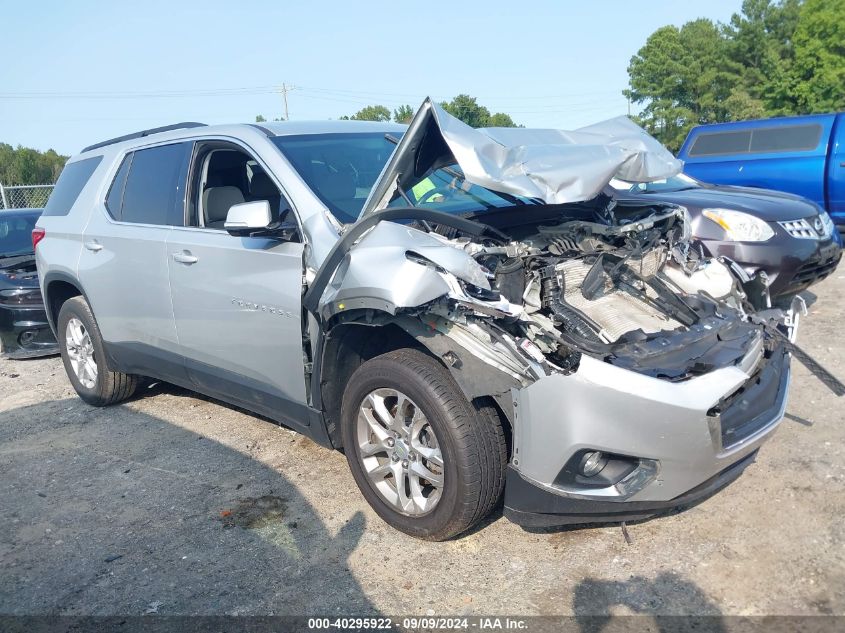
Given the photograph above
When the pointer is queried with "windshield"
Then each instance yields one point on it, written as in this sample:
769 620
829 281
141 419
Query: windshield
339 168
16 234
447 190
679 182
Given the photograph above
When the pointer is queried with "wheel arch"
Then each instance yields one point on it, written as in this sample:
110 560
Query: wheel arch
353 339
58 288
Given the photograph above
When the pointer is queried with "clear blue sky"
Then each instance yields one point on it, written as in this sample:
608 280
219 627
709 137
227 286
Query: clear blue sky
78 72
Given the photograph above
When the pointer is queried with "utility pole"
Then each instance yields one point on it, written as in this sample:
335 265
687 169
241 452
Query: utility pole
285 90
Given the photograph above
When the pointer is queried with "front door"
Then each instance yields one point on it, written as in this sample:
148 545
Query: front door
237 300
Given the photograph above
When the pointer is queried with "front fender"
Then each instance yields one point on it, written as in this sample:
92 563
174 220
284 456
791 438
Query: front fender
393 267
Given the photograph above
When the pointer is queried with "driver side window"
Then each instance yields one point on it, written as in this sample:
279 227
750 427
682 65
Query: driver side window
224 175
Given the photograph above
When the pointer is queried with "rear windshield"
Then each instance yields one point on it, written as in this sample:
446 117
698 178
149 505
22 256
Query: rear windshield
16 233
782 138
339 168
70 184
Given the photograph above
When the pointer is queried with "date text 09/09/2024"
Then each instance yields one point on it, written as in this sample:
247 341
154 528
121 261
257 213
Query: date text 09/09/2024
425 623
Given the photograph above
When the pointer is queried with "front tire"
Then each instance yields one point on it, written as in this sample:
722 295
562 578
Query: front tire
84 357
429 462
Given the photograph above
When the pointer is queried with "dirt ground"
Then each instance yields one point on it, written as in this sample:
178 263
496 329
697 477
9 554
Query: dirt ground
175 504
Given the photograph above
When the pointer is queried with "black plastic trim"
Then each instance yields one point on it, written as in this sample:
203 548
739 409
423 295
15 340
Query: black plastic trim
16 319
268 132
217 383
49 278
156 130
529 505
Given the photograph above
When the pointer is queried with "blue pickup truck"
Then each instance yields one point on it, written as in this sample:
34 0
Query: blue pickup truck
804 155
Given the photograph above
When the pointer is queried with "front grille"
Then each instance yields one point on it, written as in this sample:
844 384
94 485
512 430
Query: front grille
806 228
757 403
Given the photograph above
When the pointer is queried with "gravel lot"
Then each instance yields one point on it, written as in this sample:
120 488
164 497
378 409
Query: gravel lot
175 504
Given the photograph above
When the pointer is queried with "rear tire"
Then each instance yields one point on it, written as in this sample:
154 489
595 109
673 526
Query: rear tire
84 357
463 446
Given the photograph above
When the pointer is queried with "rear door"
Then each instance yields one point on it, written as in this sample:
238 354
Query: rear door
237 300
123 266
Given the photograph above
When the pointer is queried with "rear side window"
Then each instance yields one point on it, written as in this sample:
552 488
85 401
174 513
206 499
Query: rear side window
792 138
149 187
795 138
114 200
72 180
714 143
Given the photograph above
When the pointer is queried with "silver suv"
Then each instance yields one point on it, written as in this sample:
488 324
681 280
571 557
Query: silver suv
464 314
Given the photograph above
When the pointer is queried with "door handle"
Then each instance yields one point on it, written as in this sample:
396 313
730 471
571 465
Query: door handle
185 258
93 246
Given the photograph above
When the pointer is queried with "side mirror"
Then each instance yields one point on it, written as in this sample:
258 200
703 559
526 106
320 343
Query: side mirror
248 218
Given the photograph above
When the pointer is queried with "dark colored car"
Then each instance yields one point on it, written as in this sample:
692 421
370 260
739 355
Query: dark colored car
24 330
788 237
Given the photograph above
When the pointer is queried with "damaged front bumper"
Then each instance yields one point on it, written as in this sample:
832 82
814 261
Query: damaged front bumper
665 444
25 333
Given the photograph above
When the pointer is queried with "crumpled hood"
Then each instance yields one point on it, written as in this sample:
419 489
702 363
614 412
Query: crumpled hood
555 166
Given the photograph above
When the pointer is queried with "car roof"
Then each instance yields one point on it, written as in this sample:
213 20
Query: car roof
181 131
289 128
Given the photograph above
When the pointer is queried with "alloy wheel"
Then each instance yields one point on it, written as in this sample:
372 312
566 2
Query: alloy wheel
400 452
80 351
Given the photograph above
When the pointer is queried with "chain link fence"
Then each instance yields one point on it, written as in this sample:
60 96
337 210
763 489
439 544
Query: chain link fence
24 196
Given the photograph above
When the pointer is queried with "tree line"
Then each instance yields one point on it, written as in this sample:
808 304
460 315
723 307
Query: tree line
26 166
773 58
463 107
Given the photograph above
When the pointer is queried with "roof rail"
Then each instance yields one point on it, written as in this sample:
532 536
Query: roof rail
143 133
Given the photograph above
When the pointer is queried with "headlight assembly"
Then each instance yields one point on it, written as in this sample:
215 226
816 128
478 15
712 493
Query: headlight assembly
739 226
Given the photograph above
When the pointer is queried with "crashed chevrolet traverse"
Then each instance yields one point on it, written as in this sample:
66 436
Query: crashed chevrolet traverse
460 311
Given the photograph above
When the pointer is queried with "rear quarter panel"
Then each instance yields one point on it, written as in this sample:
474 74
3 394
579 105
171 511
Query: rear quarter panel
57 254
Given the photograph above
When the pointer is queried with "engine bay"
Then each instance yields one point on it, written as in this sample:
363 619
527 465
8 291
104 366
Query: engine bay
585 286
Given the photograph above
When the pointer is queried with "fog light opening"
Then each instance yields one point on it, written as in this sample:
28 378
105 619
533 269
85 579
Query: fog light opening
27 337
592 463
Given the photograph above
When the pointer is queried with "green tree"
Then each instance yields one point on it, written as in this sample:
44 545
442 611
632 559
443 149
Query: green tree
403 114
774 57
260 118
26 166
468 110
760 43
683 77
816 79
370 113
500 119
